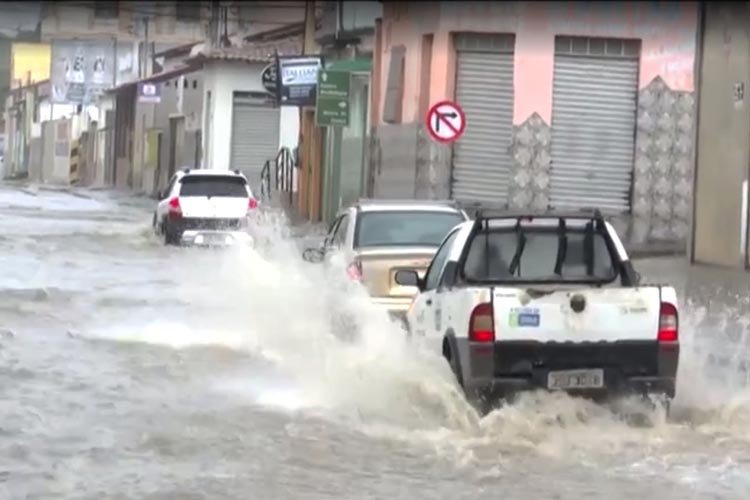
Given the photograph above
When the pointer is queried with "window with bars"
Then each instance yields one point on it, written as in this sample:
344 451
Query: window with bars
484 42
189 12
106 10
605 47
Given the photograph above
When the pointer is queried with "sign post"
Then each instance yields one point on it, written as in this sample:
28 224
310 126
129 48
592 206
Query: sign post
446 122
332 104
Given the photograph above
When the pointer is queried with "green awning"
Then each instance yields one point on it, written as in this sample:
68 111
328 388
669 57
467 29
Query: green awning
359 65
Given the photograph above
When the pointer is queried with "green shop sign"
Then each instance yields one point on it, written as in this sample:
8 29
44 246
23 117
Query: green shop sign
332 104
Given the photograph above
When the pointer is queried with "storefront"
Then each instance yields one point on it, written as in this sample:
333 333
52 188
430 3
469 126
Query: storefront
345 147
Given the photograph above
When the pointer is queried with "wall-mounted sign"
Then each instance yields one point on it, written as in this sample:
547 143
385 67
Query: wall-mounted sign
81 70
268 78
332 106
299 80
149 93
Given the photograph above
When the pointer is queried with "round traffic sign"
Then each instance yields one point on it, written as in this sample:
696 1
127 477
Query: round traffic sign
446 121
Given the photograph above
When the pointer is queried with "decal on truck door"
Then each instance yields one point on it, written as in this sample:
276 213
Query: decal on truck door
521 317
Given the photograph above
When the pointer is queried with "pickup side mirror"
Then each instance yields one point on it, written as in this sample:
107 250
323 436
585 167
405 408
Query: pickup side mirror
408 277
313 255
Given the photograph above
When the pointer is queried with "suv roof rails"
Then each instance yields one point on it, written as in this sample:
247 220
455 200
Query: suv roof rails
406 201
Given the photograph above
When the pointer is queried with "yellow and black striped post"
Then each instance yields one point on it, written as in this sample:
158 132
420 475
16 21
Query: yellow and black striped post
74 155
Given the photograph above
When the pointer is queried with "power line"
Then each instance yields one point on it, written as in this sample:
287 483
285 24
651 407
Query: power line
184 17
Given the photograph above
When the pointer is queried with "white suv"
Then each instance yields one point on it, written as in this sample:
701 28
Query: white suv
205 207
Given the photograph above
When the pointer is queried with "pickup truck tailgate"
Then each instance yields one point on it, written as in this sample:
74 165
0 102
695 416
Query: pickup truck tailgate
604 315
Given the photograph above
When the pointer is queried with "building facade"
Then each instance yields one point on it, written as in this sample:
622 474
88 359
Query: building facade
346 36
721 209
568 105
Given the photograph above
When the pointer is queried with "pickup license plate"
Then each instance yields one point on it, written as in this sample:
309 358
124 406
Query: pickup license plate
575 379
212 239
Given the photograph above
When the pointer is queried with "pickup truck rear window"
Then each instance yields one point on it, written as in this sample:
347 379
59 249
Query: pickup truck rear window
404 228
539 254
214 186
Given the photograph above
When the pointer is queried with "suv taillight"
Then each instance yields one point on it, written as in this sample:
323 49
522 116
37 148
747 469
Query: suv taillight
482 324
252 204
354 271
668 323
175 211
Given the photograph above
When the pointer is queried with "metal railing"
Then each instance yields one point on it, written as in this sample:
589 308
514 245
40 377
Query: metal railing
284 165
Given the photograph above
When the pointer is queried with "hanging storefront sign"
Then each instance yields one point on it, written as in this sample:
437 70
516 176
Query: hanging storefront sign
299 80
81 70
332 105
149 93
268 78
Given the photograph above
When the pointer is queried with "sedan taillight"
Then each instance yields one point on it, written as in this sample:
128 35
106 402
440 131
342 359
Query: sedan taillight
354 271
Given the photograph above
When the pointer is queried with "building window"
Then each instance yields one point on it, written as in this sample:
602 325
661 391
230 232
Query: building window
188 12
106 10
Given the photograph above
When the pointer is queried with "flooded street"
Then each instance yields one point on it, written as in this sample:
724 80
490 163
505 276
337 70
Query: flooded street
133 370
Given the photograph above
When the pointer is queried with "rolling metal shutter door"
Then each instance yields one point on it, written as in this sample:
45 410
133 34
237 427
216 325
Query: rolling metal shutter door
593 132
255 137
484 89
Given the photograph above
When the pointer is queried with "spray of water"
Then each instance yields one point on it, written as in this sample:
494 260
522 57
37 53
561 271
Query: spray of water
269 302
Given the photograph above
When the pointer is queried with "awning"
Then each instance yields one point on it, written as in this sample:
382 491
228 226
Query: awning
357 65
157 78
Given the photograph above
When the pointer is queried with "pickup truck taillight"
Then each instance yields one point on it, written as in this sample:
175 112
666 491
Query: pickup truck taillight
354 271
175 211
482 324
668 323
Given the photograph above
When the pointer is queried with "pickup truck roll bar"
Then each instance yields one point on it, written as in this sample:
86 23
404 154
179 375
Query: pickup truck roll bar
493 213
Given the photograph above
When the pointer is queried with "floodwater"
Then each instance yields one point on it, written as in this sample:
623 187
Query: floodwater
133 370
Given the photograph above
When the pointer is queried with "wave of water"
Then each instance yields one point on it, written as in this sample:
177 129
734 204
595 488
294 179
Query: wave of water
270 303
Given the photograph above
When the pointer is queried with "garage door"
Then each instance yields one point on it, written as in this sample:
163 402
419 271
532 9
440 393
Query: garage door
594 122
255 135
484 89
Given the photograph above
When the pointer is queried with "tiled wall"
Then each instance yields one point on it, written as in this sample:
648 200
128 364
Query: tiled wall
663 171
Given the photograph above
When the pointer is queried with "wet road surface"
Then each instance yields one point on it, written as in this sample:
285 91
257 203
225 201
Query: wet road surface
133 370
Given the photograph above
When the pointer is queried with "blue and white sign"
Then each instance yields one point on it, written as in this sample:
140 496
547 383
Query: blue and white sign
299 80
524 317
149 93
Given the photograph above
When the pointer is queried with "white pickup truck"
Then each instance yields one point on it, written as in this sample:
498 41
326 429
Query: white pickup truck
518 302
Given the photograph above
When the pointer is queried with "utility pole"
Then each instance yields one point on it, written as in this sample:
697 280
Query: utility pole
213 35
146 51
309 179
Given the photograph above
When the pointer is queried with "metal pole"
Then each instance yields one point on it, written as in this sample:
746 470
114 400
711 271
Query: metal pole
145 48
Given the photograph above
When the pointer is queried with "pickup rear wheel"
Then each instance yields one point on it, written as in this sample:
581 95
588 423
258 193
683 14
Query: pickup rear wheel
452 359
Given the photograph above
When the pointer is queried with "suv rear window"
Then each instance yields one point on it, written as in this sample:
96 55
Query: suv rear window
539 255
404 228
213 186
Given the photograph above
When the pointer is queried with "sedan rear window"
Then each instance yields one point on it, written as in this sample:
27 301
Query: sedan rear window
404 228
213 186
